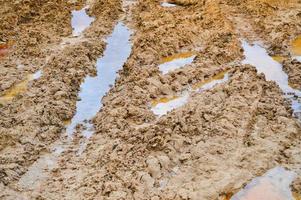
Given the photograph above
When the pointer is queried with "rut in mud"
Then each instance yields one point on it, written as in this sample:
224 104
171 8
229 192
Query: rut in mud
143 99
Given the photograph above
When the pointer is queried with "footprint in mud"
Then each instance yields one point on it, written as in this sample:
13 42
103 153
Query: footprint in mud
80 21
94 88
19 88
177 61
274 185
258 57
164 105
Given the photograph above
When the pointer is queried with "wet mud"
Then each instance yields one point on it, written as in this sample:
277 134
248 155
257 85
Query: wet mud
237 124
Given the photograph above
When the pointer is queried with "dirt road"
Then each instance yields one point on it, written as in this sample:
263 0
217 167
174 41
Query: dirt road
208 146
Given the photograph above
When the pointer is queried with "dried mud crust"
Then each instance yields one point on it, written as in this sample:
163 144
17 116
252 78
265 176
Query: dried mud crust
35 119
213 145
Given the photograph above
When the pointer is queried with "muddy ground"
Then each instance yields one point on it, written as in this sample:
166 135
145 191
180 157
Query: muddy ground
207 149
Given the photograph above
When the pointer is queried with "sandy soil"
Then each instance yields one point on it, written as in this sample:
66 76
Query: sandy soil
207 149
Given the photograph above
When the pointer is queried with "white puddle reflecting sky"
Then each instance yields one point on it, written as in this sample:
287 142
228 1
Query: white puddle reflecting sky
258 57
161 109
80 21
175 64
274 185
94 88
166 4
37 74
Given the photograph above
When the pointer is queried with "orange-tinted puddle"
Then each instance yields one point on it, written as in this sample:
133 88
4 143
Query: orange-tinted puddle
273 185
19 88
279 59
164 105
4 49
176 61
213 80
296 48
163 100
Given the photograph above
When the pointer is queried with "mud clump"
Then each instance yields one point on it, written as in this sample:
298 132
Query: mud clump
293 69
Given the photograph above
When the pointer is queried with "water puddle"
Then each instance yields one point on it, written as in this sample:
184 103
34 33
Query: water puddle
4 49
296 48
258 57
274 185
164 105
211 82
18 88
168 105
168 5
80 21
279 59
94 88
37 75
177 61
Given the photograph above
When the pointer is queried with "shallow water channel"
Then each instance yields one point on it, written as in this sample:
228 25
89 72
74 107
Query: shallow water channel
258 57
94 88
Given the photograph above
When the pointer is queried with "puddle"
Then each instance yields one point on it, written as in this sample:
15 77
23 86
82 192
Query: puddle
274 185
211 82
170 104
168 5
4 49
94 88
80 21
279 59
37 75
19 88
177 61
164 105
296 48
258 57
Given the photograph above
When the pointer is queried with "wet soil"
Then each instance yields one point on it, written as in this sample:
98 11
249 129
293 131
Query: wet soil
211 147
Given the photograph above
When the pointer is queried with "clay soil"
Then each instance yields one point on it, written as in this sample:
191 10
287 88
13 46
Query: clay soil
207 149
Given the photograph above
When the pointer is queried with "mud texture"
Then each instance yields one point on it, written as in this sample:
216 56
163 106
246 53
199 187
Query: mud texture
293 69
207 149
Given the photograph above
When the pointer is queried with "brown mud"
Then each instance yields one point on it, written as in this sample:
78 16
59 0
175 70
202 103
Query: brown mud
207 149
